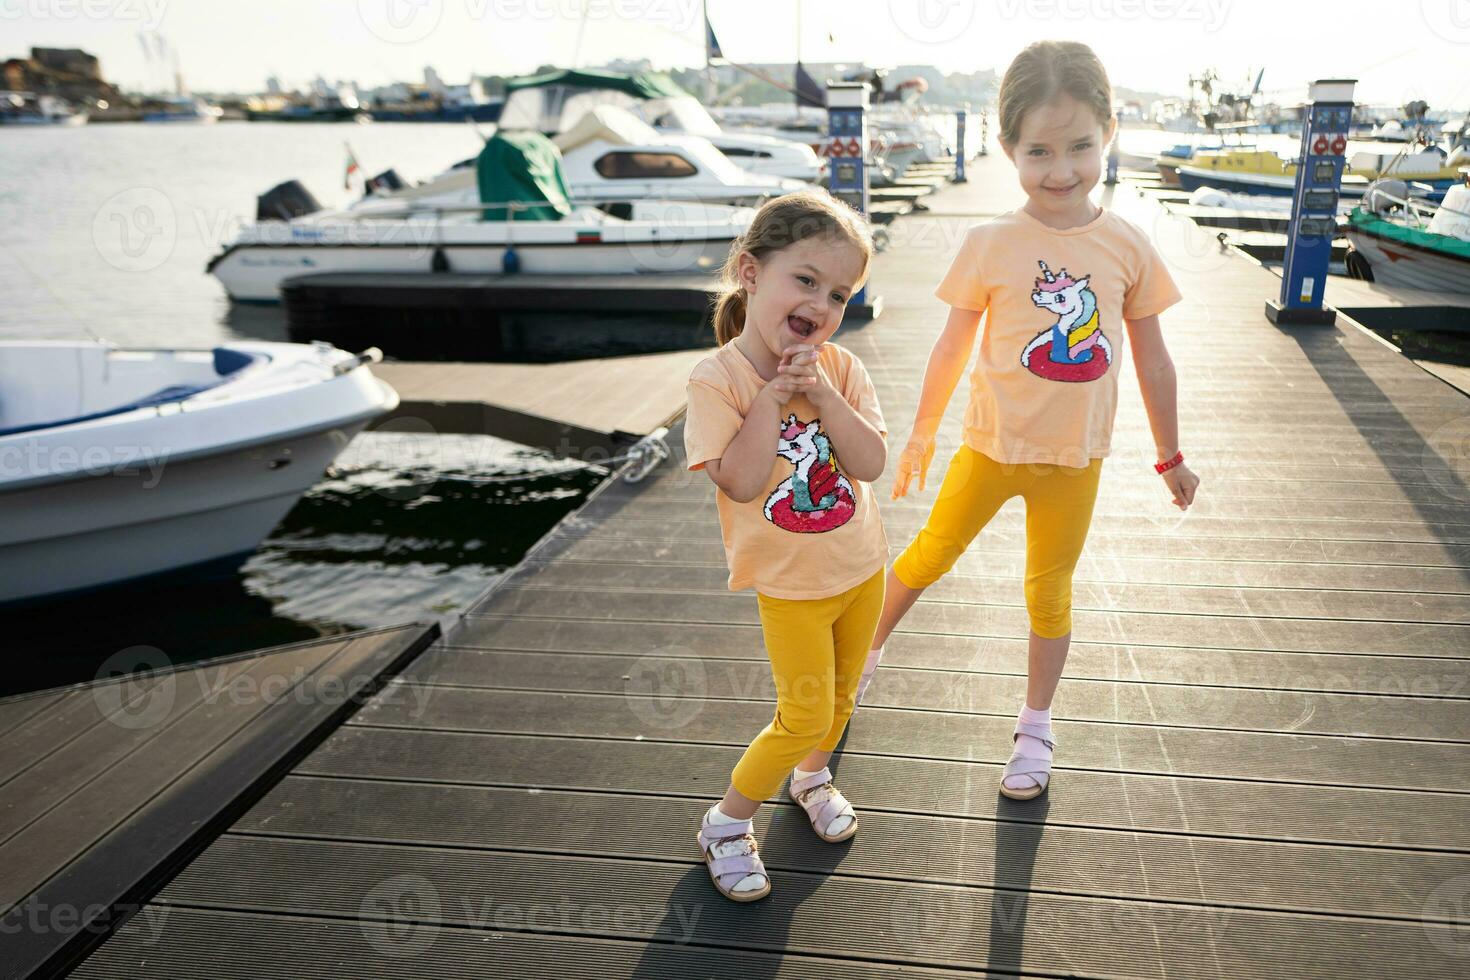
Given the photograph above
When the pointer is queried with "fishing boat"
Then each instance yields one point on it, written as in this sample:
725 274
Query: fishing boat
118 464
518 215
1251 171
1392 243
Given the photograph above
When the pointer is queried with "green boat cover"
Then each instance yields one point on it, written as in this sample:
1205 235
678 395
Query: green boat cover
644 85
522 165
1444 244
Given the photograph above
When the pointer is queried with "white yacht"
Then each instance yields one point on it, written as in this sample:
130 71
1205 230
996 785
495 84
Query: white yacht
511 212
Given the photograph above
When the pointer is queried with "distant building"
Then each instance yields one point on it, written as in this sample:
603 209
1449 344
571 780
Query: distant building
70 73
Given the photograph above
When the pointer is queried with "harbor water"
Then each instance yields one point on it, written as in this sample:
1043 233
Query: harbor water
105 231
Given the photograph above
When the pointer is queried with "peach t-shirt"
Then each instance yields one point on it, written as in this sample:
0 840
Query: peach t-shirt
815 532
1045 386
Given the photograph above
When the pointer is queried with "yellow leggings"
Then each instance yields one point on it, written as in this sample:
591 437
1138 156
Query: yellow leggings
1059 502
817 649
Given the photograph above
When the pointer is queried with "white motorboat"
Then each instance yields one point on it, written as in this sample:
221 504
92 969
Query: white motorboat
511 212
30 109
555 102
889 152
183 109
611 155
119 464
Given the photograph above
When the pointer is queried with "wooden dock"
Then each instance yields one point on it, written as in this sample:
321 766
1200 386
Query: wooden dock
1264 758
108 788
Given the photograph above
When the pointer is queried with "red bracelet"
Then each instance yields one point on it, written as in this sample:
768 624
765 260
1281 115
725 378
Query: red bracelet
1169 464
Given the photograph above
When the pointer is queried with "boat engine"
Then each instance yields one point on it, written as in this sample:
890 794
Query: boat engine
284 202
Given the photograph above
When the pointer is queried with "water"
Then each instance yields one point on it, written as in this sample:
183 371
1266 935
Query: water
105 231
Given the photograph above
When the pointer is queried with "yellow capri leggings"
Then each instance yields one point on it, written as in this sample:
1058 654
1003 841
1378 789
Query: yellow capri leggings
1059 501
817 649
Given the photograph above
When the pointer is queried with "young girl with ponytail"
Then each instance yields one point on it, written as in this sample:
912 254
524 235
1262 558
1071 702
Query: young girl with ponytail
787 426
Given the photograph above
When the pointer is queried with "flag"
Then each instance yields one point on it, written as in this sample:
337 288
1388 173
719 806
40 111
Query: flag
712 52
352 168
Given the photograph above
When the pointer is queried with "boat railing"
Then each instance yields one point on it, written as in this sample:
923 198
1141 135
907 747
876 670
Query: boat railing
1417 209
511 207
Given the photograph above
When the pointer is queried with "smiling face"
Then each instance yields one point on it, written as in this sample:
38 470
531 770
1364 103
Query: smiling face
797 294
1059 156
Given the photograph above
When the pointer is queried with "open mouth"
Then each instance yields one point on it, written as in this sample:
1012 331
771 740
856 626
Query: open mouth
800 325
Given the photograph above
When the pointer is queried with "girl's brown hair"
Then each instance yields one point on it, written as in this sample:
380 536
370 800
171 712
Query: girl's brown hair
1045 70
780 222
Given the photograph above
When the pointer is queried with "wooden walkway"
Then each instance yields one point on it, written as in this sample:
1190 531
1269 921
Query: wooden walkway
1264 768
108 788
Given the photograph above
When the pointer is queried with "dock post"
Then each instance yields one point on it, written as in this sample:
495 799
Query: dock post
959 143
847 153
1313 222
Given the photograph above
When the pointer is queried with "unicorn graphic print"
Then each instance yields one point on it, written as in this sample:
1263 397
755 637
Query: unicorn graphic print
816 497
1074 347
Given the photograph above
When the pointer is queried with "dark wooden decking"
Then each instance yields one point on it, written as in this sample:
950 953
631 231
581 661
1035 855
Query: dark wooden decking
1264 766
107 789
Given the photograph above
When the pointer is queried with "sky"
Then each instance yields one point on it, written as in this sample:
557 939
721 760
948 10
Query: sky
1419 49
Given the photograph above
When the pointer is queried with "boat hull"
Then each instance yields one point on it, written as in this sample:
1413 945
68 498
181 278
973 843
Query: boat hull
1403 264
101 530
255 273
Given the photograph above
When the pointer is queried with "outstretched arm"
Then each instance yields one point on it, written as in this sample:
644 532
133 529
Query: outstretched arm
947 362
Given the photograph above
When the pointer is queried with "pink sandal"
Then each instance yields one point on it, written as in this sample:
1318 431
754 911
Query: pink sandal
823 803
728 871
1039 770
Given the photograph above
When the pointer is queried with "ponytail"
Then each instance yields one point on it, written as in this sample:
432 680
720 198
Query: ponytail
729 315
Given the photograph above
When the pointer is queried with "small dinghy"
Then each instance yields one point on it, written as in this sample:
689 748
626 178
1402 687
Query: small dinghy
118 464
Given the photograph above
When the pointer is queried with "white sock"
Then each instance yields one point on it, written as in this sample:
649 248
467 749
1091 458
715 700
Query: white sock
1030 746
838 823
751 882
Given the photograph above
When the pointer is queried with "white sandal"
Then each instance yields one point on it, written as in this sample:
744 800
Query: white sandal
1039 770
823 804
730 870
